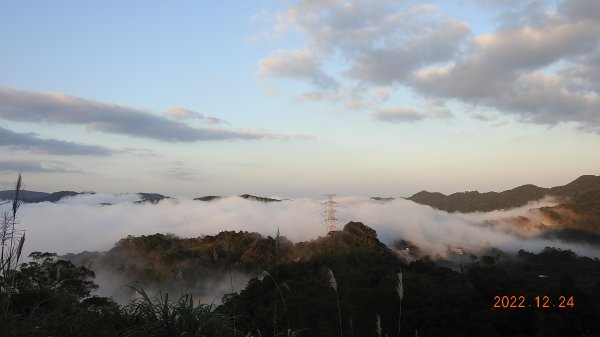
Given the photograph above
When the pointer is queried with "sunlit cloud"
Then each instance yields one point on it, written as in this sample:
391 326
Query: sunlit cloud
59 108
538 64
399 115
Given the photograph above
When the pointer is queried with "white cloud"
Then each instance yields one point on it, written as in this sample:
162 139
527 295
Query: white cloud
59 108
182 114
35 166
379 42
31 142
79 223
399 115
514 70
179 113
540 64
401 55
296 64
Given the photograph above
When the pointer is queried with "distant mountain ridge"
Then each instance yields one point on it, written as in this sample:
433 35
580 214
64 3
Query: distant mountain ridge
464 202
473 201
35 197
243 196
31 197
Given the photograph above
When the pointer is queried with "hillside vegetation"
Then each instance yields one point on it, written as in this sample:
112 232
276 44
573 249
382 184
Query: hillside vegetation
294 292
474 201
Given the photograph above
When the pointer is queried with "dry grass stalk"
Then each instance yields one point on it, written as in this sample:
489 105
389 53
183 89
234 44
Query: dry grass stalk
11 240
400 290
333 284
278 288
20 249
400 287
331 280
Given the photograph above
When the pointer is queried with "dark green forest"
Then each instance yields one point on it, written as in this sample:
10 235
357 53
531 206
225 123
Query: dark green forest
49 296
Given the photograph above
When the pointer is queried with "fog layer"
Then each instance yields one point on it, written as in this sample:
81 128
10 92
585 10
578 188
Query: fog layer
82 223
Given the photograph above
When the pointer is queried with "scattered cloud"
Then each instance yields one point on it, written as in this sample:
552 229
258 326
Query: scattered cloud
382 93
483 116
31 142
295 64
310 96
355 97
215 120
179 113
541 64
380 42
402 115
178 171
34 166
140 152
497 2
538 69
399 55
28 106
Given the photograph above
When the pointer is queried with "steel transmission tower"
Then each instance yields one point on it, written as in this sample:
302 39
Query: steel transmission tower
330 213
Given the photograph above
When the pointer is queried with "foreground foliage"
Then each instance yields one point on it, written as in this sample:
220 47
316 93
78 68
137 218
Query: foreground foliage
52 297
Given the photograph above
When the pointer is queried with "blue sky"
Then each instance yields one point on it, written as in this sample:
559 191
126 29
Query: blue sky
298 98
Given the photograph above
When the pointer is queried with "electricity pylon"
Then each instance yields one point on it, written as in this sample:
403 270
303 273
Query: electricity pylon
330 213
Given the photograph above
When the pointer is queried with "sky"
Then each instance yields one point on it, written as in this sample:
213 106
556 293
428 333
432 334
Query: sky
298 98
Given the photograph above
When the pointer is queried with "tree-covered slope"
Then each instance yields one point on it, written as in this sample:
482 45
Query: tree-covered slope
473 201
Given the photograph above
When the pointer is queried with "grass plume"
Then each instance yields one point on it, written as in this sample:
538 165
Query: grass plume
333 284
400 291
267 274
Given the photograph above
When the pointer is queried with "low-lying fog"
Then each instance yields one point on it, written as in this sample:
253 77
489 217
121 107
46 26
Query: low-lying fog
82 223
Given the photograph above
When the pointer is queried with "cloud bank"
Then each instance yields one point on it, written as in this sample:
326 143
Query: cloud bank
540 63
59 108
80 223
35 166
180 114
32 143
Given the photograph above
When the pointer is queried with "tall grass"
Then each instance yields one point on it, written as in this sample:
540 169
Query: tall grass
11 238
400 291
290 333
267 274
333 284
160 316
11 246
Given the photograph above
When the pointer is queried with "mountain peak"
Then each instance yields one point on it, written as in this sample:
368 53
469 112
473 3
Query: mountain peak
516 197
582 184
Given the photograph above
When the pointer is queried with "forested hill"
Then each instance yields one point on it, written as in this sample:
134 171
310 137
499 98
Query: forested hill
473 201
155 260
339 284
296 290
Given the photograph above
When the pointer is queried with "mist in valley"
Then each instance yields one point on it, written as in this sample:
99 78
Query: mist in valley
95 222
87 223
